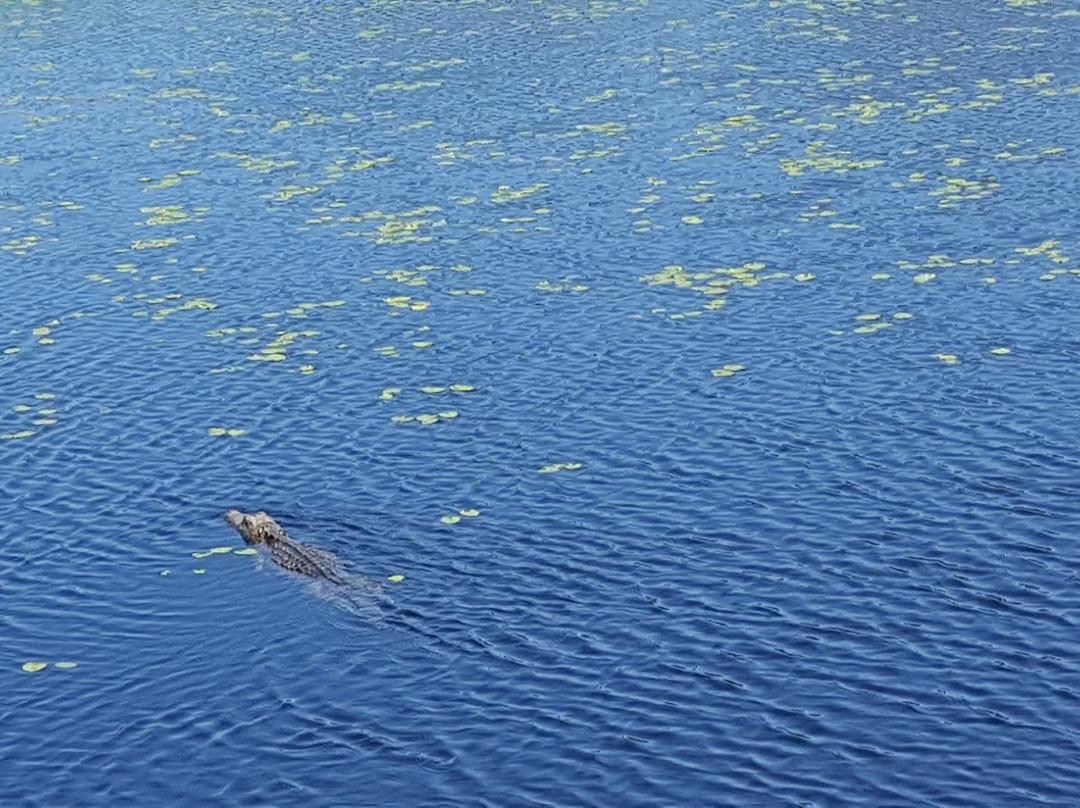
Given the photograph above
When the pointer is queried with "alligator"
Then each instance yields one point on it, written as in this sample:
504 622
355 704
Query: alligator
261 528
353 592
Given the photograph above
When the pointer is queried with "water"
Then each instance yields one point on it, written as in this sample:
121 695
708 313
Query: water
239 242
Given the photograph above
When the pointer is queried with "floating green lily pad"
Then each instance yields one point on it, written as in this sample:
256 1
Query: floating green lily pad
23 433
728 370
553 467
395 579
246 551
34 667
66 665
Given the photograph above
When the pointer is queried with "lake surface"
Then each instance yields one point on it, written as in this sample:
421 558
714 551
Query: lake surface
708 371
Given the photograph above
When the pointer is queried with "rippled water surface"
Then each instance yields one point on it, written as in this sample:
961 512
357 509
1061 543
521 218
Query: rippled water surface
709 372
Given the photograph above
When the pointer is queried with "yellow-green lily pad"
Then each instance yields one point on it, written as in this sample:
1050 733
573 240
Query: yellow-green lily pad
34 667
66 665
469 512
22 433
246 551
451 519
395 579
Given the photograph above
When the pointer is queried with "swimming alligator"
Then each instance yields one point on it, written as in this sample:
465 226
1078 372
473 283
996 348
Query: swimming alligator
353 592
260 528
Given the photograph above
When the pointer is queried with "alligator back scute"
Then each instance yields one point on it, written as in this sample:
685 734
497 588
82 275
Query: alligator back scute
307 560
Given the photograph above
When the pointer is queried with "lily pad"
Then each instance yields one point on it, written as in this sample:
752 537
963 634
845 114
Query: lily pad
34 667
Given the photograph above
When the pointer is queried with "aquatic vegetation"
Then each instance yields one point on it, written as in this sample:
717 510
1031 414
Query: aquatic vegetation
454 518
728 370
426 419
504 193
551 468
563 285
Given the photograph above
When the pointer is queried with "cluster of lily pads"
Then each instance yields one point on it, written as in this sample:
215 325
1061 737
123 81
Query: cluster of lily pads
42 417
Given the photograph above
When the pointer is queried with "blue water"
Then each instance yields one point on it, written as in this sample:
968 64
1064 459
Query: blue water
841 571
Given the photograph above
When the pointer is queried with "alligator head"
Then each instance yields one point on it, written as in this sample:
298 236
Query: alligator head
256 528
